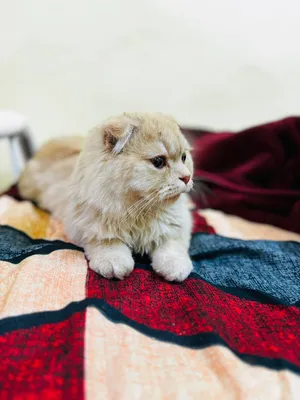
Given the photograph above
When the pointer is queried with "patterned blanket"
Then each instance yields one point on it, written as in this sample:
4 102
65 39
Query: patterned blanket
231 330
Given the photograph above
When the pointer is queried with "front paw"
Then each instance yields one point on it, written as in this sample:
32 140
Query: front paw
172 264
112 261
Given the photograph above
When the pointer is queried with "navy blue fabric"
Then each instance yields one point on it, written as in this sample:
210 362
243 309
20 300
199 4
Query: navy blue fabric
263 266
16 245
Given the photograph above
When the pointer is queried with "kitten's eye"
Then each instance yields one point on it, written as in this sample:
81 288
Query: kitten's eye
159 162
183 157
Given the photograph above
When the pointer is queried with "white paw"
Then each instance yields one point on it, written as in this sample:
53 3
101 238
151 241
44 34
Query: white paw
112 262
172 264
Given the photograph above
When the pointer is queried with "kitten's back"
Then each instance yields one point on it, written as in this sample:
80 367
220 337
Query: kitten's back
45 176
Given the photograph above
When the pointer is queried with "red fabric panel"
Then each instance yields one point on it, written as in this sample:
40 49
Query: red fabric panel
43 362
195 307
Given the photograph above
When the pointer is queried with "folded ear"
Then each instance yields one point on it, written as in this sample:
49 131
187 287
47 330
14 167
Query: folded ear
111 133
116 133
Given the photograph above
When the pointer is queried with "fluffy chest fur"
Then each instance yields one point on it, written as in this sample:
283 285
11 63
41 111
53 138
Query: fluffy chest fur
142 230
144 234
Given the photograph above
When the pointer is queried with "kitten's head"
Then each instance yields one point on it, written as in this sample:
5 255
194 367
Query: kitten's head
141 155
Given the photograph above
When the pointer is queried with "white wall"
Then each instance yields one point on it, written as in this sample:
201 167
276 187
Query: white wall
67 64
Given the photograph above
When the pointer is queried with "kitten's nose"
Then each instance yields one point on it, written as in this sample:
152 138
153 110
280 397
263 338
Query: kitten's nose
185 179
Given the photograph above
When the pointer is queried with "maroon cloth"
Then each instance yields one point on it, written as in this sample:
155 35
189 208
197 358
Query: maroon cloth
254 174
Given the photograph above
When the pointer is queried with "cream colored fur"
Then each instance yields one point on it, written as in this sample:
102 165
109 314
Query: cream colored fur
113 200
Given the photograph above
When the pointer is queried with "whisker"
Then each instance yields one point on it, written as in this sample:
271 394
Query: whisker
152 205
201 179
147 204
132 210
135 207
203 191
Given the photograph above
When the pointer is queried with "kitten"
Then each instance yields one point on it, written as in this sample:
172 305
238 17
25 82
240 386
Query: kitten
124 193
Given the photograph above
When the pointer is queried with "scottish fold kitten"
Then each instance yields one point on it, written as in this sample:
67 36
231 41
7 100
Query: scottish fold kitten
122 192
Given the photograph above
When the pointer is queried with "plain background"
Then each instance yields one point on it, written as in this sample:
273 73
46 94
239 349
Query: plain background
222 64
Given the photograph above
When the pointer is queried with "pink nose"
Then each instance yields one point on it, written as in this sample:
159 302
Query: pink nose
185 179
